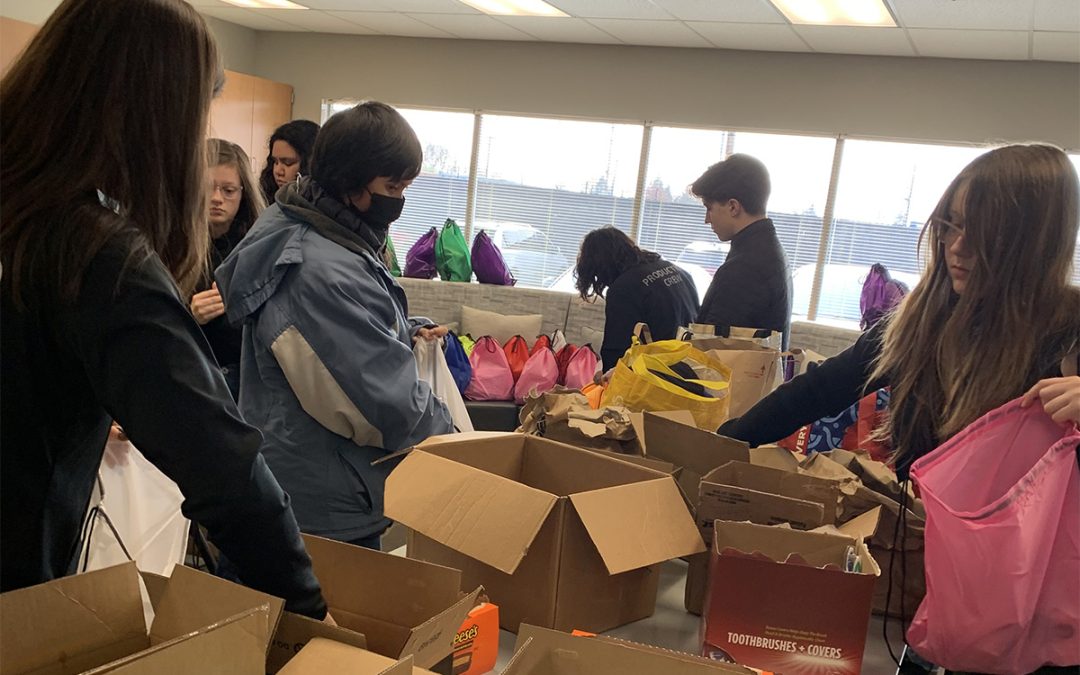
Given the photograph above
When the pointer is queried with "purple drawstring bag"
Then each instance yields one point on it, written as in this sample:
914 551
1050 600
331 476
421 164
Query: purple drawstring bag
488 262
420 261
880 295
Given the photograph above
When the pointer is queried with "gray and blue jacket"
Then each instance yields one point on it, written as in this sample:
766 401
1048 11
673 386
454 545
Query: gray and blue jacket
327 369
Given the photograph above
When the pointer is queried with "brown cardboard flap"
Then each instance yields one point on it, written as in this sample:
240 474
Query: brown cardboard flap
697 452
322 656
234 645
864 526
487 517
638 524
294 631
73 623
778 543
778 482
774 457
402 667
728 502
155 586
648 463
547 652
375 583
193 599
431 641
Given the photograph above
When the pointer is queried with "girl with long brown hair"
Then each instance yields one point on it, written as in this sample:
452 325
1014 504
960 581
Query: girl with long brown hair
102 235
234 203
993 317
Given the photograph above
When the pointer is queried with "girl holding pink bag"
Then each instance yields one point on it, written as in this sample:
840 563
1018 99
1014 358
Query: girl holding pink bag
993 319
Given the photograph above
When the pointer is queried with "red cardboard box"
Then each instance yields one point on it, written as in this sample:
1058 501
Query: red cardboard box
780 599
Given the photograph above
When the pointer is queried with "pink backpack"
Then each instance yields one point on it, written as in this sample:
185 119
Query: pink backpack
491 376
581 368
1002 551
540 375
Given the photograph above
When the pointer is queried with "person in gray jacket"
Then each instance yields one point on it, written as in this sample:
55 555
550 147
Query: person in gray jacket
327 369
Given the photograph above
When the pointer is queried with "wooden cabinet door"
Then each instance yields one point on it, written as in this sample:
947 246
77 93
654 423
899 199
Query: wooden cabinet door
231 112
272 108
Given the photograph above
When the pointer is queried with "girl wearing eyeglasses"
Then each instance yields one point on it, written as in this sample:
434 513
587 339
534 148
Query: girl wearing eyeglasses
994 316
234 204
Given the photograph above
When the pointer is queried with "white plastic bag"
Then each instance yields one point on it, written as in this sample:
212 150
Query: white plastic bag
432 368
143 508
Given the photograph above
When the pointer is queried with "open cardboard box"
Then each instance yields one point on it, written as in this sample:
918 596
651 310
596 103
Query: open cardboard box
672 437
321 656
402 607
757 494
94 623
540 651
780 599
559 536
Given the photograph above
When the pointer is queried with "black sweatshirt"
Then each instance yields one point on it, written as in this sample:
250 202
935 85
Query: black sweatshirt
752 289
839 382
657 293
224 338
128 349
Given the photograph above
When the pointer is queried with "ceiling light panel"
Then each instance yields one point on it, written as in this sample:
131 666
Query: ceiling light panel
515 7
836 12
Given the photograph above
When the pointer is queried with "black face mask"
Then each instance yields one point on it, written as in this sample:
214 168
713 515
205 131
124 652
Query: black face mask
382 211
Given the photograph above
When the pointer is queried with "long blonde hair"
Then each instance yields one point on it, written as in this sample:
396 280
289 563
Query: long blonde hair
951 358
224 153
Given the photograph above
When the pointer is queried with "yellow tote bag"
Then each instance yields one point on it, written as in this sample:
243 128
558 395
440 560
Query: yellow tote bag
635 383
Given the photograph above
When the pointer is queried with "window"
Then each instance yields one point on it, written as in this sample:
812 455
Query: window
1076 252
673 222
543 184
885 194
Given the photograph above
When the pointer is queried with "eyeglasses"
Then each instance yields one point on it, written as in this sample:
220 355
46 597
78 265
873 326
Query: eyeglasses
229 192
948 231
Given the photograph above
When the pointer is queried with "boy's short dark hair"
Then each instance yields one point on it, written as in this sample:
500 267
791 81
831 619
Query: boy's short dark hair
362 143
739 177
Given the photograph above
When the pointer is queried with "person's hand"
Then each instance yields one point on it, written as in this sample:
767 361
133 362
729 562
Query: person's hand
329 620
1060 398
116 448
602 379
430 334
207 306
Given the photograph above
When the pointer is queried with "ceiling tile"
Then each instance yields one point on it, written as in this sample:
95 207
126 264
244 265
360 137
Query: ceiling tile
736 11
256 19
756 36
559 29
971 44
651 33
857 40
984 14
392 23
319 22
1057 15
611 9
1056 47
472 27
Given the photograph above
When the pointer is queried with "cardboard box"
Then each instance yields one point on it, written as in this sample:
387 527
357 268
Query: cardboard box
402 607
674 439
322 656
476 645
758 494
94 623
779 599
546 652
559 536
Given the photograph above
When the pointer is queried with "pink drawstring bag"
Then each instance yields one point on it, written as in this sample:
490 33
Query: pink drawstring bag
1002 551
491 378
540 375
581 368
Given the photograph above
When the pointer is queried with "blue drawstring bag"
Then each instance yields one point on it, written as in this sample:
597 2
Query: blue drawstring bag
458 362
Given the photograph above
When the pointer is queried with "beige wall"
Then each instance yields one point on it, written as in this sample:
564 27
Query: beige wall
886 97
236 44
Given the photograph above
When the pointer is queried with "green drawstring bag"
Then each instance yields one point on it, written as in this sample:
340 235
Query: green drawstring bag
452 254
391 258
